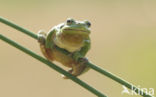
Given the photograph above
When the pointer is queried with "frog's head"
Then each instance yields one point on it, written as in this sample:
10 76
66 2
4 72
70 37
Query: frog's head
72 34
73 27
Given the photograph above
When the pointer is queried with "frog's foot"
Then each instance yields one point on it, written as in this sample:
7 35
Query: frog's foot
78 68
83 60
41 37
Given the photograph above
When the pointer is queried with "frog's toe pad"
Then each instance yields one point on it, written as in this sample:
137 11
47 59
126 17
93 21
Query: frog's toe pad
83 60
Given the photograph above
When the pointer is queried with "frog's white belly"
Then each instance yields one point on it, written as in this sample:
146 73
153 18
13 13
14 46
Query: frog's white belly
69 48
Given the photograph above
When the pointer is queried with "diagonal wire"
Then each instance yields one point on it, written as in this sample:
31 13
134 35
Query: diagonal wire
95 67
55 67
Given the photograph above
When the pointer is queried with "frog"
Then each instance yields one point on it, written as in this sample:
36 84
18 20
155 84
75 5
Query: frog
72 37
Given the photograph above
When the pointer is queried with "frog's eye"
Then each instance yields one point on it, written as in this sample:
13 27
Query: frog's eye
70 21
88 23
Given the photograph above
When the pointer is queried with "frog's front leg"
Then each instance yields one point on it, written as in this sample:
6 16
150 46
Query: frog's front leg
80 54
49 39
41 37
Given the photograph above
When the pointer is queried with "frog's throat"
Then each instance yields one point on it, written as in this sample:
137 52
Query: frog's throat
61 44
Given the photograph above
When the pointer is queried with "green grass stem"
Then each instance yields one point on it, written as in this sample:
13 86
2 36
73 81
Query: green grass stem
55 67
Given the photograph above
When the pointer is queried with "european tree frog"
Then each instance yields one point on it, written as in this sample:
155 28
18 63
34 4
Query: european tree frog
71 36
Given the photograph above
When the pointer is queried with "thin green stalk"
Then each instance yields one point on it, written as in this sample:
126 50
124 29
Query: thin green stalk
96 68
55 67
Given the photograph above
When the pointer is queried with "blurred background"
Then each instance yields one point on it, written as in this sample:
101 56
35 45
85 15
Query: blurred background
123 42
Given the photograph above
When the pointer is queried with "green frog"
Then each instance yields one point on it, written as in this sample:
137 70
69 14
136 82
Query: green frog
72 37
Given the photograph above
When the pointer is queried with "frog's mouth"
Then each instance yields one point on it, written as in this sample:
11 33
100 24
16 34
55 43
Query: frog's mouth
76 31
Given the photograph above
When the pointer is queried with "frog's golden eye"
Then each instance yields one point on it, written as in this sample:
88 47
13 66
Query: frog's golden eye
70 21
88 23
